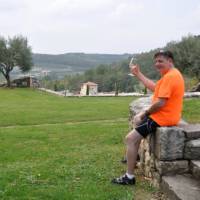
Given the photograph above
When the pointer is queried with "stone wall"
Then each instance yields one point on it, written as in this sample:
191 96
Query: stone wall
170 150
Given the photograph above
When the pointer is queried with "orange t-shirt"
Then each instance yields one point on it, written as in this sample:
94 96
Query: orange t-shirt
170 86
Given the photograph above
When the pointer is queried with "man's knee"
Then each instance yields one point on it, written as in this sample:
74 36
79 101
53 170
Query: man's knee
133 138
136 121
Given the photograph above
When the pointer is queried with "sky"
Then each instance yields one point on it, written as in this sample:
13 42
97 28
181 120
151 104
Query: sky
99 26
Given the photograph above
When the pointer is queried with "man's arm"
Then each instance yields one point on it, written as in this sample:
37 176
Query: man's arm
156 106
146 81
152 109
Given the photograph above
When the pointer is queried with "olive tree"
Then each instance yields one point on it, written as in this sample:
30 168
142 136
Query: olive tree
14 52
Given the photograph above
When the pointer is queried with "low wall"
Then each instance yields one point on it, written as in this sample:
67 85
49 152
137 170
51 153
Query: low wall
168 151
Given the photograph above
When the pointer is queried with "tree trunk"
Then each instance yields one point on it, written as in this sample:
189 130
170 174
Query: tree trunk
116 89
87 90
7 76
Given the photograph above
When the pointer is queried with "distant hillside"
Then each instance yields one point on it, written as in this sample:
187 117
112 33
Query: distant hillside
74 62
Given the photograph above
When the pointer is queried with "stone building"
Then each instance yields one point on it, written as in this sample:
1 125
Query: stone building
89 88
26 81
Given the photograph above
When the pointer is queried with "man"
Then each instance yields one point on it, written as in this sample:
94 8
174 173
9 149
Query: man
165 109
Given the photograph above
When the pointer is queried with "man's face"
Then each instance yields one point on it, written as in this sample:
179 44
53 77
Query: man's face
162 64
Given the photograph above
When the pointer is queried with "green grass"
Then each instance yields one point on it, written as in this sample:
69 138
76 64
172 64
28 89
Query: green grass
22 107
65 148
63 162
191 110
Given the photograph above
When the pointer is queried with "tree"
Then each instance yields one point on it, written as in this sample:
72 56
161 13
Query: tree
187 57
14 52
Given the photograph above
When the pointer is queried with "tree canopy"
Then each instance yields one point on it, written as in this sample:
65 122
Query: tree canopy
14 52
187 55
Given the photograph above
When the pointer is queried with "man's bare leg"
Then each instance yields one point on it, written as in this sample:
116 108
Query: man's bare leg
133 140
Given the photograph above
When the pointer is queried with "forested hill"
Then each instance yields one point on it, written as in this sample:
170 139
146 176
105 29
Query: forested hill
75 62
114 77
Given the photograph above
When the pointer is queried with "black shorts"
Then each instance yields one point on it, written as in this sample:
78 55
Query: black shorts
146 127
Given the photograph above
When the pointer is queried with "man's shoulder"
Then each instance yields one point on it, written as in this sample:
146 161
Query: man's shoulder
174 73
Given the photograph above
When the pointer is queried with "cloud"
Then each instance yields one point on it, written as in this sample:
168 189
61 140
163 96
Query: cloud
109 26
11 5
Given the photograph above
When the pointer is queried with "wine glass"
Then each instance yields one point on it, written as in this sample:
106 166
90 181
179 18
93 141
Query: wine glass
130 64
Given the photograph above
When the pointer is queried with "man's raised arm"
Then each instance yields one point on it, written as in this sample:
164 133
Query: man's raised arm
146 81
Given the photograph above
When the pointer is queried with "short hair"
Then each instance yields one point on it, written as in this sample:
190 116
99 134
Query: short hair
165 53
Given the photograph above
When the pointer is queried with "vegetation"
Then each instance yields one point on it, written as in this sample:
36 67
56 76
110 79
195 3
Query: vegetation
66 148
14 52
108 77
75 62
110 72
114 77
191 113
63 148
32 108
187 55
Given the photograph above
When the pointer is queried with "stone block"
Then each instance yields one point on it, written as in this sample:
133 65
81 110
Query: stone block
172 167
192 150
141 153
139 105
147 144
169 143
181 187
192 131
156 179
195 168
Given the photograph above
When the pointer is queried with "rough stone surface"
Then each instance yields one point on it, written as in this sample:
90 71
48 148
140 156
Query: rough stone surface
195 168
156 179
140 104
192 150
147 158
181 187
192 131
172 167
182 123
162 156
137 106
169 143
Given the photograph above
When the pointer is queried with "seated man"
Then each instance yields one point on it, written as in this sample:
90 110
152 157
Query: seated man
165 109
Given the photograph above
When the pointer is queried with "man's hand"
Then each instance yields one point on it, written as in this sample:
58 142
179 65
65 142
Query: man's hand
138 118
135 69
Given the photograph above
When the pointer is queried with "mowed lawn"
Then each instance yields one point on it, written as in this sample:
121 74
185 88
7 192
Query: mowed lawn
191 110
31 107
63 148
66 148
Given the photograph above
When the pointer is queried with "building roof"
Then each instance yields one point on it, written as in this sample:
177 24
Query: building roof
90 83
24 77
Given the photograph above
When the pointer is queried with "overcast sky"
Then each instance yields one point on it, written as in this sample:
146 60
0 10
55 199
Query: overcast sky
99 26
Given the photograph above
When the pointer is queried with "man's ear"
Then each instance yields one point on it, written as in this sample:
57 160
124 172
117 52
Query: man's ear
171 62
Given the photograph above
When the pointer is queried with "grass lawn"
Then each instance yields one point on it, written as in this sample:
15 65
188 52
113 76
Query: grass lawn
191 110
29 107
65 148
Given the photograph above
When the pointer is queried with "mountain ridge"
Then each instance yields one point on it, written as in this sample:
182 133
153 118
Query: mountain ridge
76 60
59 65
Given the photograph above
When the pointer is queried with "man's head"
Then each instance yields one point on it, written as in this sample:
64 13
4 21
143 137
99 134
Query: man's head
164 61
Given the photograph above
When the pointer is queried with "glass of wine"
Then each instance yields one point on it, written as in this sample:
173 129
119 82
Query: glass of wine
130 64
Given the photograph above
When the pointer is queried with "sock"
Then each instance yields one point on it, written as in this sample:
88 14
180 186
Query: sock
130 176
